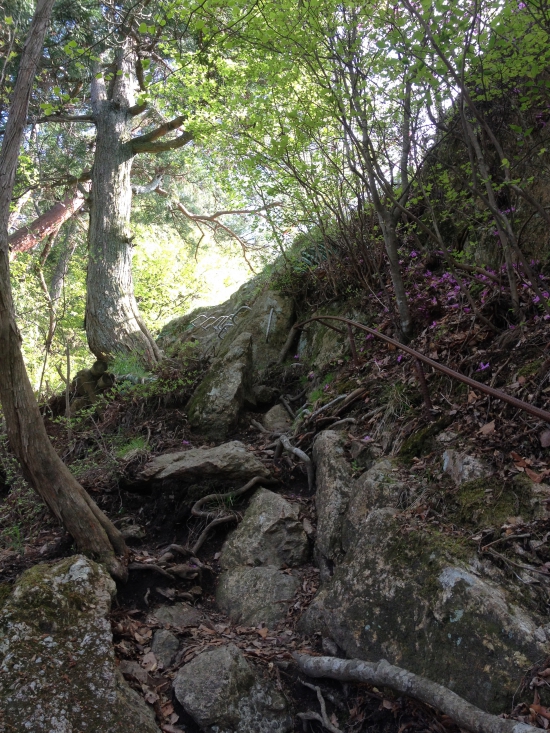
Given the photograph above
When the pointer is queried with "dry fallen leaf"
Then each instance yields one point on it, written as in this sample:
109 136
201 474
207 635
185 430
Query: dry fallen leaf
149 662
263 632
488 428
472 397
533 475
544 438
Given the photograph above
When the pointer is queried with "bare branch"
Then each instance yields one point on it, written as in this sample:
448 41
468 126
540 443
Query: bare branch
66 118
161 131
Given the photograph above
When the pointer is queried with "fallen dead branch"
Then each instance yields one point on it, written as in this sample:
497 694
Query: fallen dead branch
464 714
323 718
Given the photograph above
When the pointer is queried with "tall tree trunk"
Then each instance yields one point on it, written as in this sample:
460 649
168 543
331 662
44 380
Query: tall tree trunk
93 532
113 322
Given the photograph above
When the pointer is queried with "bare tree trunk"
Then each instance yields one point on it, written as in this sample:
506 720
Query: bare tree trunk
93 532
113 322
49 223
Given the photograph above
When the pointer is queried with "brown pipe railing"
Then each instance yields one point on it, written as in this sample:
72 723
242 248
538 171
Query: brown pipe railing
496 393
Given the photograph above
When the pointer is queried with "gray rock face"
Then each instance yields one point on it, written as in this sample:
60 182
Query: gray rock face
277 420
180 614
404 597
334 485
227 461
267 308
251 596
164 647
217 403
223 694
462 467
377 488
57 668
269 534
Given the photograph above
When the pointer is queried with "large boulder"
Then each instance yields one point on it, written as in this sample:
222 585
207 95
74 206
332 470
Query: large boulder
412 597
223 694
216 405
229 461
269 534
251 596
265 314
57 668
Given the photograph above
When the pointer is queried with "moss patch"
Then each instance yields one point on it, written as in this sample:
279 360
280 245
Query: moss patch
490 501
420 442
529 369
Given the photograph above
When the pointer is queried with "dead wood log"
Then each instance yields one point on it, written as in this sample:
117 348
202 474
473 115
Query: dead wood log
384 674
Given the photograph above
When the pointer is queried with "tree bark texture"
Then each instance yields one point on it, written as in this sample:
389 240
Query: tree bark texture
113 322
93 532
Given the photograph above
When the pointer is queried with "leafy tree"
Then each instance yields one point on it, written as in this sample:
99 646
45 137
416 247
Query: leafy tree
41 465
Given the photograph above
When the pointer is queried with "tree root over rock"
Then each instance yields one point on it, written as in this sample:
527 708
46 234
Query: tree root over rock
465 715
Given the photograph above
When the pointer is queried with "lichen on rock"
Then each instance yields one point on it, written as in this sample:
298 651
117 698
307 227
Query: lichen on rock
57 669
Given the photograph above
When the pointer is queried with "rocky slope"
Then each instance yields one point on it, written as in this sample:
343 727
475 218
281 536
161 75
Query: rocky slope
359 527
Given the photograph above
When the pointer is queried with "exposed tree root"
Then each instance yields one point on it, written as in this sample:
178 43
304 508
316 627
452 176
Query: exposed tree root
465 715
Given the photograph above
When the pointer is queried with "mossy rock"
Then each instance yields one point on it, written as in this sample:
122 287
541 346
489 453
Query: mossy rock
58 669
420 441
414 599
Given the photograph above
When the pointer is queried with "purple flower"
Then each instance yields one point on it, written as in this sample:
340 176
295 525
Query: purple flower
414 254
366 438
311 375
400 358
433 324
536 299
296 356
483 367
185 442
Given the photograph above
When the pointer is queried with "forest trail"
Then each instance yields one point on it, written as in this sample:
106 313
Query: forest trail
317 509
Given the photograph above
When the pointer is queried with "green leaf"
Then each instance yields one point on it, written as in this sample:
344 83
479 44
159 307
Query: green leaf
142 28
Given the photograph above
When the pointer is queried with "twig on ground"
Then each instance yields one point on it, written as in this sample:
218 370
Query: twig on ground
287 445
323 718
288 408
329 404
345 421
150 566
464 714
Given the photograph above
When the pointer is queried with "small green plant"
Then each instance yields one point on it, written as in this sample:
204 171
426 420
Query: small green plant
123 364
13 538
136 444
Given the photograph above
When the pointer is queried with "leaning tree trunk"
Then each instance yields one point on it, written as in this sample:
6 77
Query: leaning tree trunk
113 322
93 532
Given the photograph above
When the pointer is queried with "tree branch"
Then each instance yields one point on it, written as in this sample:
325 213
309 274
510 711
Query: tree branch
49 223
149 187
137 109
384 674
66 118
139 146
161 131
